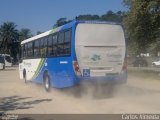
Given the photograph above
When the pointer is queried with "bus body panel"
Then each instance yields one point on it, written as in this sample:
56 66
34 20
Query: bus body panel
100 52
59 76
31 66
59 69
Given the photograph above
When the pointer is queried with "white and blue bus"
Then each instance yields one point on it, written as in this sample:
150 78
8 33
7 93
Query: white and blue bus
80 50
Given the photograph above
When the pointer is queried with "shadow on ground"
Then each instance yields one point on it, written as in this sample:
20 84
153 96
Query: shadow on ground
16 102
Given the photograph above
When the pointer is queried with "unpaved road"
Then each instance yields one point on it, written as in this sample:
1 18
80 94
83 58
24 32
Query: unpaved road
137 96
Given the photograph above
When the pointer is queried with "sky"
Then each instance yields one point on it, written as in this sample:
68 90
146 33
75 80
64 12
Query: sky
41 15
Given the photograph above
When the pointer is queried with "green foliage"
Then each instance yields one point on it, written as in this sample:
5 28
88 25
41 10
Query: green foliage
114 17
108 16
88 17
142 24
39 32
61 21
24 33
10 39
9 35
127 3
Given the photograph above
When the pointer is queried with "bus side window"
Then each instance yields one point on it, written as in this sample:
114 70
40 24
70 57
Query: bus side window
50 48
25 50
54 37
30 50
43 47
36 49
67 42
22 55
60 51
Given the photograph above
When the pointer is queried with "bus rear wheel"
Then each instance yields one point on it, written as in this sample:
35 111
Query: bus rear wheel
47 83
24 76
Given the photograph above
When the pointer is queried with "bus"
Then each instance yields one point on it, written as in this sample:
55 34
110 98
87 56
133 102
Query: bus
7 60
77 51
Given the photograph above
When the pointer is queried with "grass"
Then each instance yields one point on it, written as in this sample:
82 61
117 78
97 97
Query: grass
146 74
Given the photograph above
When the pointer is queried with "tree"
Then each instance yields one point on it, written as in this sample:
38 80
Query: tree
61 21
24 33
9 35
113 17
109 16
142 23
39 32
87 17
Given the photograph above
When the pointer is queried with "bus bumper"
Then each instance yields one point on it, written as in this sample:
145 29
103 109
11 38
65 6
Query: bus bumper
111 79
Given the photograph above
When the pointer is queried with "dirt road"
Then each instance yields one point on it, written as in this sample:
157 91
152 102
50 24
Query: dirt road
137 96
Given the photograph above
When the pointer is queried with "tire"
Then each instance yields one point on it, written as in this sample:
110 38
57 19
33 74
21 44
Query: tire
47 85
24 76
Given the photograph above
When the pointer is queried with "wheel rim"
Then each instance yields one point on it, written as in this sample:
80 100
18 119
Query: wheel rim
47 83
24 78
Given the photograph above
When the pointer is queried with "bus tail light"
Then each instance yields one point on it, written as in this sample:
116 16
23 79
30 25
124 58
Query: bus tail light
76 68
124 65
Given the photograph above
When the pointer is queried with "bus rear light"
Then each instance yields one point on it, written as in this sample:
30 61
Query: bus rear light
76 68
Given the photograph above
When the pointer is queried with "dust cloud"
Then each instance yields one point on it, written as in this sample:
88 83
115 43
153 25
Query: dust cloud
138 95
98 90
94 90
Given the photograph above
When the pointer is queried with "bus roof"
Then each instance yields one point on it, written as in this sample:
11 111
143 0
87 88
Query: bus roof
97 22
54 30
39 36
